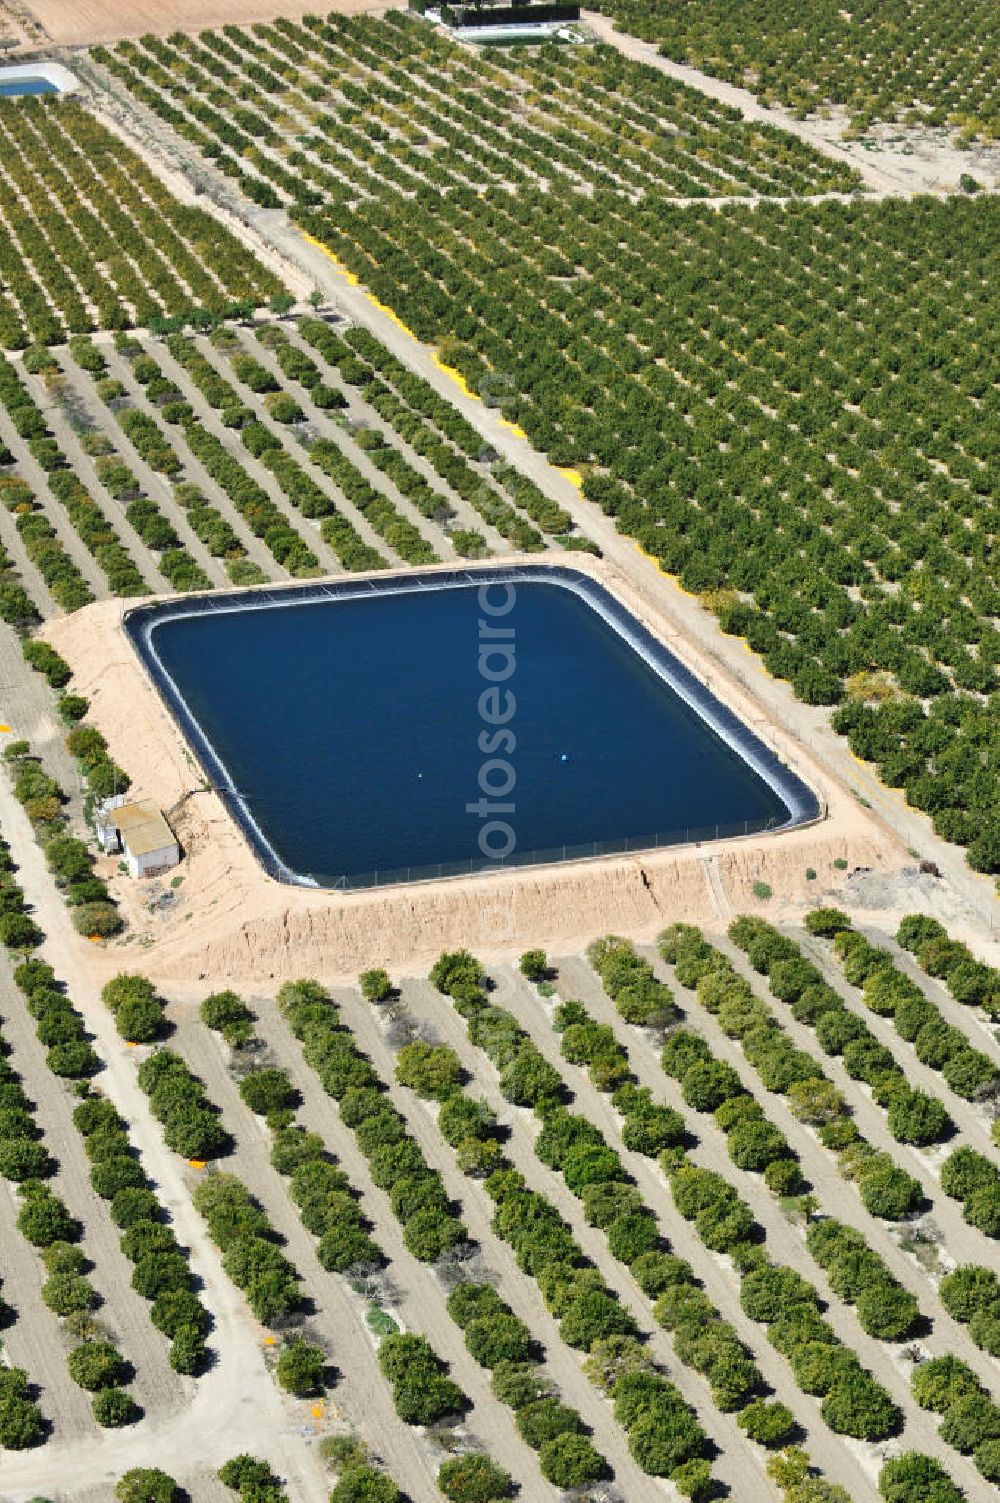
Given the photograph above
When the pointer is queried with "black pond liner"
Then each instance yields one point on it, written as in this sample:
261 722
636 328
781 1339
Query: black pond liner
801 803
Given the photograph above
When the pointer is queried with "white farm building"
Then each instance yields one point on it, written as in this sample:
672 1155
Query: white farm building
140 833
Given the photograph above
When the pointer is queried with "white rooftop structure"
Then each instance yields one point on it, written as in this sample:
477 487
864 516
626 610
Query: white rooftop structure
139 831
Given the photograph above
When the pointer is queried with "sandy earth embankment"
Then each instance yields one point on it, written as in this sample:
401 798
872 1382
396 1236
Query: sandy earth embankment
227 919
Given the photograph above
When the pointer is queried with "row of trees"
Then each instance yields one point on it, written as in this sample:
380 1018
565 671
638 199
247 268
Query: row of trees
970 1420
264 518
972 1295
970 981
96 532
925 64
21 1421
886 1190
416 1192
494 1337
686 144
329 1209
725 1223
74 199
69 859
664 1434
191 1122
94 1363
966 1174
969 1072
434 429
44 548
161 1274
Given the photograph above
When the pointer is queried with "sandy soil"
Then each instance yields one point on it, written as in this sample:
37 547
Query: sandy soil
82 23
18 30
228 920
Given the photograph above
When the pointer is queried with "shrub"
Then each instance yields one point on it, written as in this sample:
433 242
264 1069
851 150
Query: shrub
571 1461
534 965
856 1405
300 1368
44 1219
250 1477
474 1479
969 1289
364 1484
768 1424
433 1071
969 1421
133 1205
827 922
942 1381
887 1311
140 1020
145 1485
113 1408
593 1317
96 1365
913 1478
267 1091
21 1422
500 1337
375 985
24 1159
455 969
228 1014
546 1418
889 1192
19 932
102 919
915 1117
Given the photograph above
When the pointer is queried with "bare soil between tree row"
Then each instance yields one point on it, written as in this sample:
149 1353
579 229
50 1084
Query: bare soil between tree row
227 919
87 22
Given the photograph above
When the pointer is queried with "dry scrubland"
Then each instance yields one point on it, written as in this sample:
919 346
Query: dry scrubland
714 1204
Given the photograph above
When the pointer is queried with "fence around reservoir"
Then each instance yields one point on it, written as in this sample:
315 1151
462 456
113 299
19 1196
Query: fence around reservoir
590 850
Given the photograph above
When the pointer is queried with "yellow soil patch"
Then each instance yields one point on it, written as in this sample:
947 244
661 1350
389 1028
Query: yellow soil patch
573 476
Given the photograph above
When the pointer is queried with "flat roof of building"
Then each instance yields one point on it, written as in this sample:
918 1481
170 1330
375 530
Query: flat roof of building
142 827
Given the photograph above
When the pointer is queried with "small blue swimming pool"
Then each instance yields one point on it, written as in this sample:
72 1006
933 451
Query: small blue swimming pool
27 86
363 732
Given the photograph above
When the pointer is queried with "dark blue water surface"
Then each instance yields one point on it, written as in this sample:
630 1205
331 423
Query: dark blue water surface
27 86
351 728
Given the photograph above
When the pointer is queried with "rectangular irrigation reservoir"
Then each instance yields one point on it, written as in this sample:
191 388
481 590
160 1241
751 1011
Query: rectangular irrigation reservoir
428 725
